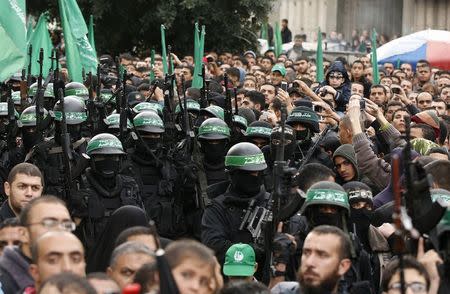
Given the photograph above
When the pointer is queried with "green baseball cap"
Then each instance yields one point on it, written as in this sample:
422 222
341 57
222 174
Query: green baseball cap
280 68
239 261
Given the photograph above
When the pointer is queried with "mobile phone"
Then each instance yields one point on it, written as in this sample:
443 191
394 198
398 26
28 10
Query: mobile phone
317 108
395 90
362 104
284 86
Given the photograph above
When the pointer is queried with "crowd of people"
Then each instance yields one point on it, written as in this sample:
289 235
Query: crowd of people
139 181
359 41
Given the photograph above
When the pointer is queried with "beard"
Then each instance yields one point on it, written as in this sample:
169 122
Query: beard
327 284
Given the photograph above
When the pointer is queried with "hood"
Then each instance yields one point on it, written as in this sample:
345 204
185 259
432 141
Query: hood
347 151
338 66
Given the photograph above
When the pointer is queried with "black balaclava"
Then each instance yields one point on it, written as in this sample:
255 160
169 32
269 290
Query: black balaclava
30 139
303 135
317 218
360 219
214 153
289 148
152 143
107 168
246 184
73 130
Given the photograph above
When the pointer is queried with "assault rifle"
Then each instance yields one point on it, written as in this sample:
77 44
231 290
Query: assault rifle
190 150
65 144
91 106
204 89
228 112
262 222
424 212
123 110
40 94
12 126
168 113
313 149
23 91
39 98
403 223
30 55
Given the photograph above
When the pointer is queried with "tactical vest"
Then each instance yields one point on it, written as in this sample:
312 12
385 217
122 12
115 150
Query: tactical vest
100 203
161 201
48 157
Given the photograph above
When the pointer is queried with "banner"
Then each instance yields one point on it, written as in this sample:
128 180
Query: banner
319 58
199 46
79 53
13 36
41 39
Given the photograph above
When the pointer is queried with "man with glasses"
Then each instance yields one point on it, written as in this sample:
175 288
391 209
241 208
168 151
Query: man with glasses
25 182
41 215
56 252
417 279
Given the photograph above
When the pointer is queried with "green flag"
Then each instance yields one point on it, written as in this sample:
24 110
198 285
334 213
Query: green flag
29 30
13 36
41 39
319 58
164 49
152 63
265 33
199 46
278 40
91 33
79 53
375 74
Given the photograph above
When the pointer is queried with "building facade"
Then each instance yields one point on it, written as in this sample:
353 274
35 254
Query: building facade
388 17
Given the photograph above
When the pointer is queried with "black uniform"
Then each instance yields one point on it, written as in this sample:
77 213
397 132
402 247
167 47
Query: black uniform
95 203
222 218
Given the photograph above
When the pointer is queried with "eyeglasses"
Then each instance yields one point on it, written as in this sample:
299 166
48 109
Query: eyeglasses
415 287
52 223
337 77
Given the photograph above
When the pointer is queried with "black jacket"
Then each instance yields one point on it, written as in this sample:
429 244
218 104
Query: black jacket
222 218
6 211
344 91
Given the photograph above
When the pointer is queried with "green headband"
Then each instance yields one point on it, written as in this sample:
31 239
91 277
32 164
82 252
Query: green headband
148 121
208 129
97 144
259 131
327 195
71 116
243 160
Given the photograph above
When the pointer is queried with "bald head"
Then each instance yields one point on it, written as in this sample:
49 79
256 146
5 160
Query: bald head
55 252
424 100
